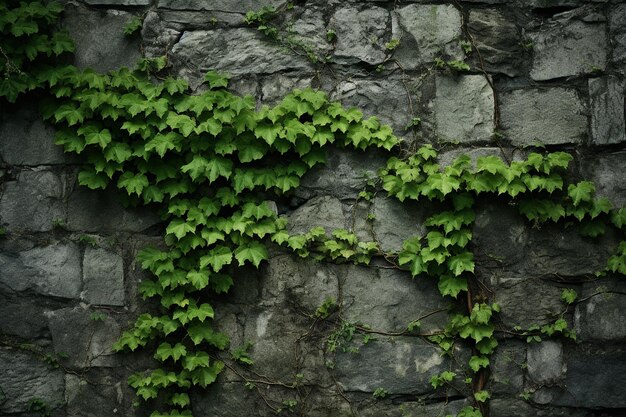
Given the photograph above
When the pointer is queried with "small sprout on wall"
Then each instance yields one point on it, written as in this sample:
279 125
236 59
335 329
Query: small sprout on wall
98 316
328 306
331 35
380 393
133 26
242 355
392 44
466 46
569 296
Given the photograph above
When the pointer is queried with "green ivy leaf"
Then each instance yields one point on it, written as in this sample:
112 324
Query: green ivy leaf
253 252
217 258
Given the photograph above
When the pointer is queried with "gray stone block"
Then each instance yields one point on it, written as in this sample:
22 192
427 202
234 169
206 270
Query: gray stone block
427 31
100 40
240 51
388 99
554 116
117 2
388 300
567 48
361 34
25 377
602 317
617 32
411 408
497 37
103 277
520 309
85 342
545 362
593 380
324 211
404 365
156 35
464 108
51 270
33 202
230 6
607 111
520 408
26 140
105 397
305 282
396 221
100 211
25 317
606 172
506 368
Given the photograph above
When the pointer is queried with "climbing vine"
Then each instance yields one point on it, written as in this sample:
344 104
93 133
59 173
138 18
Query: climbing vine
214 165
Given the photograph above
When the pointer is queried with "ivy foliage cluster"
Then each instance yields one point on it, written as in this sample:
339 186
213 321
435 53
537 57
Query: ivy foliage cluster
214 164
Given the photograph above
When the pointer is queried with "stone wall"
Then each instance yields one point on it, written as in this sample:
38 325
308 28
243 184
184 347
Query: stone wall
549 73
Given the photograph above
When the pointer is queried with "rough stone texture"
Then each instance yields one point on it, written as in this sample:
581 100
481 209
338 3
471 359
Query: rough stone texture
425 32
507 368
99 39
103 275
568 48
607 111
84 341
24 377
521 408
602 315
93 211
405 366
552 116
33 201
236 51
360 34
51 270
394 222
606 172
617 31
386 99
463 109
26 140
118 2
604 374
108 396
325 211
498 38
231 6
545 362
389 300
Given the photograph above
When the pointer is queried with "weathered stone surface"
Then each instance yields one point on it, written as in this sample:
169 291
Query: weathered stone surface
307 283
100 211
404 366
103 277
361 34
24 317
425 32
506 368
606 171
388 300
603 315
274 88
387 99
99 38
26 140
463 108
236 51
231 6
24 377
229 399
51 270
33 202
396 221
569 47
325 211
156 36
604 376
498 38
607 111
308 31
108 396
545 362
412 408
617 31
521 408
520 308
86 342
553 116
345 174
118 2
